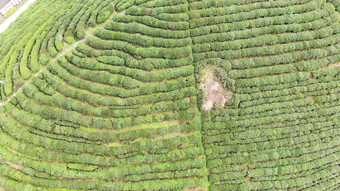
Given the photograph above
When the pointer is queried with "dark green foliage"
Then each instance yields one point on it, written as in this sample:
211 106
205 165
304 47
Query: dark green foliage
105 13
110 95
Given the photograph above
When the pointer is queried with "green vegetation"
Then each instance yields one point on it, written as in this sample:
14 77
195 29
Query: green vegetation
105 95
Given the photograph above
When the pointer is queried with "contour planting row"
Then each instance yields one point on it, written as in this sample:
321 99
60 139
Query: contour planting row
279 59
25 41
119 111
270 139
52 35
115 106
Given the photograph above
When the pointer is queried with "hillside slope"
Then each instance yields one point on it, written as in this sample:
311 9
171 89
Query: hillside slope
171 95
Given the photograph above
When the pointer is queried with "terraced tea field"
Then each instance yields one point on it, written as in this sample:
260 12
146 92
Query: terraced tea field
171 95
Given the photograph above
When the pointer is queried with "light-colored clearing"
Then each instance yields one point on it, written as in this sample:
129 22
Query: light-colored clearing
213 90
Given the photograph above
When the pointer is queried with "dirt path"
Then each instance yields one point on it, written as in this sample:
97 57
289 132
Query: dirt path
55 59
15 15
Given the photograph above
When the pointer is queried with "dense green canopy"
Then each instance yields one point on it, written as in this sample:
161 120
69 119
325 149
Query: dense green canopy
171 95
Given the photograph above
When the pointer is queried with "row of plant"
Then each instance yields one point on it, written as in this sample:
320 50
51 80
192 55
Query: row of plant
96 99
87 109
276 39
275 23
107 64
88 135
118 112
37 48
279 131
53 144
274 29
267 50
15 63
279 144
201 10
198 4
276 13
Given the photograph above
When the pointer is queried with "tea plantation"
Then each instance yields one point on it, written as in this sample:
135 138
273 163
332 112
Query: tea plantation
171 95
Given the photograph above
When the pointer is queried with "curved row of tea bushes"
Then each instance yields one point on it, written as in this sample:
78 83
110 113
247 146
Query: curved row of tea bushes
118 111
280 130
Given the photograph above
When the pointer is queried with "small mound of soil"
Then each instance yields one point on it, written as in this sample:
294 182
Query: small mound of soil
148 11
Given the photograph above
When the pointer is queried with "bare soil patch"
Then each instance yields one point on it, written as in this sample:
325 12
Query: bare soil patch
197 188
16 167
333 65
214 92
148 11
